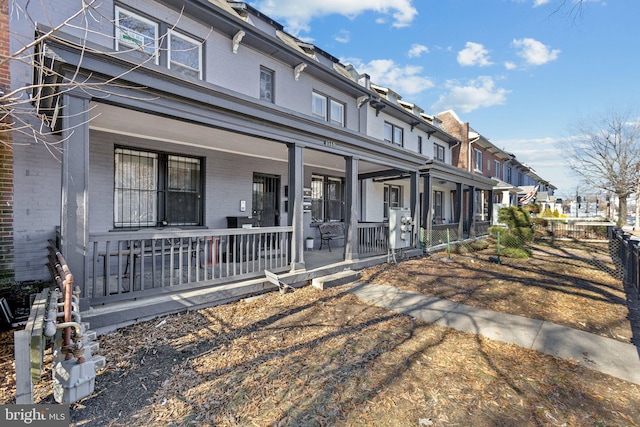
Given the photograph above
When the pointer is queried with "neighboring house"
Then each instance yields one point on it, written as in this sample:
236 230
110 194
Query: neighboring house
476 154
206 144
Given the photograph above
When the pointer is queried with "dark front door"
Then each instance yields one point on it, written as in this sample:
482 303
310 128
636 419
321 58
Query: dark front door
266 199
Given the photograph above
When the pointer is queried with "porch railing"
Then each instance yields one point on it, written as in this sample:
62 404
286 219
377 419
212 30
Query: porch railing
438 235
125 265
373 238
482 228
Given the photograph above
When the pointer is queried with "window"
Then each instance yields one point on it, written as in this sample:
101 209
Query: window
420 144
437 205
266 84
497 168
152 189
507 177
326 198
327 109
185 54
133 31
478 160
393 134
438 152
392 198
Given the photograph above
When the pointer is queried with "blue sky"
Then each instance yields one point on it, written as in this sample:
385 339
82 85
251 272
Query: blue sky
521 72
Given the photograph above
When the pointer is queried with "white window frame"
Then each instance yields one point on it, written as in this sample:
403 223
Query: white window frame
120 41
272 76
497 168
437 148
171 35
319 110
326 108
477 155
392 133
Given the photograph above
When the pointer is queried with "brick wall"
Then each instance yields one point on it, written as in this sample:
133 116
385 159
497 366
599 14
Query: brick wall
460 153
6 160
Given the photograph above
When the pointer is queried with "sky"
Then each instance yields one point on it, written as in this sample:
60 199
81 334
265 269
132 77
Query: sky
521 72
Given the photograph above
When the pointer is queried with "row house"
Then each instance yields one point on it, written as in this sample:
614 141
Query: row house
201 144
476 154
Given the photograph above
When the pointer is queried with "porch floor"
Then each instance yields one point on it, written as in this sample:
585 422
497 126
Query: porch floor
108 317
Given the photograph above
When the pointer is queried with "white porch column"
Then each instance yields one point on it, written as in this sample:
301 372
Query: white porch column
414 198
295 215
74 215
351 210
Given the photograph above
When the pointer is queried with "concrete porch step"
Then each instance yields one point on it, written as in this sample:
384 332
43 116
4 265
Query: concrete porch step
335 279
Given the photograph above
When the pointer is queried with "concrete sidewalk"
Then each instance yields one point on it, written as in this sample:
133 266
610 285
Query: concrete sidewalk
592 351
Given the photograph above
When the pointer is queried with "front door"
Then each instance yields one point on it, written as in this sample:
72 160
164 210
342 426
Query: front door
266 199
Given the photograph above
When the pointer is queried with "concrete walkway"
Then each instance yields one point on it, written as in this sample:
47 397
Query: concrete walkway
592 351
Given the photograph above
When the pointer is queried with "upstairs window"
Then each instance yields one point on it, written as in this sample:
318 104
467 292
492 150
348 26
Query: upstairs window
266 84
327 109
478 160
152 189
420 144
185 55
393 134
508 176
497 168
134 31
438 152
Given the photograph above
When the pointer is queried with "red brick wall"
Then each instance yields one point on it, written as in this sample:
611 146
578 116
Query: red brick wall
460 153
6 159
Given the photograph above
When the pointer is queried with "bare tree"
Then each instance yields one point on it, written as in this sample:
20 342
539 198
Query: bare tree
42 97
606 154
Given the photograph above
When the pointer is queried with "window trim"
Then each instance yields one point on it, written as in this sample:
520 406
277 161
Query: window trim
394 128
119 31
161 188
386 199
436 152
496 164
477 156
270 72
171 33
326 208
328 103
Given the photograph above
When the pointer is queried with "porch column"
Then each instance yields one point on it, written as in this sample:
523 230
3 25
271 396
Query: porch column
351 210
427 215
74 214
458 214
295 214
490 206
414 197
472 217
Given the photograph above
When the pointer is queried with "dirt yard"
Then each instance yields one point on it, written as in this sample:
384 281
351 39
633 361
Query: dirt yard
316 358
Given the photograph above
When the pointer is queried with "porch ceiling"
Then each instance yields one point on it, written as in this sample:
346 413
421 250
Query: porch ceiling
111 119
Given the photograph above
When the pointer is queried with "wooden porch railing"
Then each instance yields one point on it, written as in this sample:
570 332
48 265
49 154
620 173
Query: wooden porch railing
373 238
125 265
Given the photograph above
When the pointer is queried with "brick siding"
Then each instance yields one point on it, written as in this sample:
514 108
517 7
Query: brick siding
6 160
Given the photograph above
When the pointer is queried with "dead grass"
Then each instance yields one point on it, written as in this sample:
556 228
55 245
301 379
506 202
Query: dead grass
316 358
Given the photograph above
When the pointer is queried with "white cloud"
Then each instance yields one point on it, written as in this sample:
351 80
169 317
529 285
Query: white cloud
474 54
537 3
297 14
477 93
405 80
510 65
417 50
343 36
534 52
